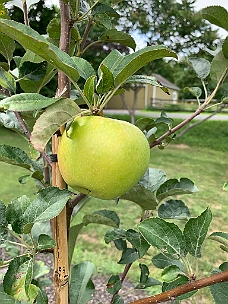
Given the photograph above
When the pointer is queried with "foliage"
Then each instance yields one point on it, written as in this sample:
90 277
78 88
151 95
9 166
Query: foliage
40 120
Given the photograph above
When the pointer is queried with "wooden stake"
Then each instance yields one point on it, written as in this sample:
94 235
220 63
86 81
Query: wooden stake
59 230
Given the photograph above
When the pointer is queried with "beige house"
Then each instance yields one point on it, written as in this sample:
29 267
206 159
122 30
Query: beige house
146 95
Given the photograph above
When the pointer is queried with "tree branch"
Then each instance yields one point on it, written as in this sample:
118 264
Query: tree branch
195 285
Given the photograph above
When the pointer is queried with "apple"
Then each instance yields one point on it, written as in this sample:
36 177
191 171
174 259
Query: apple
102 157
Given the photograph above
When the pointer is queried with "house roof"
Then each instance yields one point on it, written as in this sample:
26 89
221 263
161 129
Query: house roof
165 82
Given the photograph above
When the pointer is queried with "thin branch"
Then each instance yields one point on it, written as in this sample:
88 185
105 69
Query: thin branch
180 290
85 35
70 206
25 12
23 124
191 117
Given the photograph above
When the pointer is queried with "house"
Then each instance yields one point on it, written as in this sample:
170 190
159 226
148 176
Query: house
146 95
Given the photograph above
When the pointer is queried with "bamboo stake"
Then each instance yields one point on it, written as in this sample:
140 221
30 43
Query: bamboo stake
59 224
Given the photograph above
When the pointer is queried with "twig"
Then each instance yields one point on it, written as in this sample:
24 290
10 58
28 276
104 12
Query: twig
178 291
70 206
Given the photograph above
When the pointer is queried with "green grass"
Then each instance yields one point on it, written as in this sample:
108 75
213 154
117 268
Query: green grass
195 156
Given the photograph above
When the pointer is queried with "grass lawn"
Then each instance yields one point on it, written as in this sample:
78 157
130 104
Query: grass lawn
201 156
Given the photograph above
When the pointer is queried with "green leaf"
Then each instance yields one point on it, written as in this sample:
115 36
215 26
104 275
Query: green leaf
161 261
217 15
178 282
7 47
201 66
123 38
170 273
36 43
145 79
114 284
103 19
219 67
3 223
49 203
128 256
106 80
9 120
104 217
84 68
27 102
112 60
220 237
81 286
17 280
164 119
5 298
45 242
73 235
114 234
103 8
174 209
33 71
118 300
225 48
195 91
143 193
51 120
7 81
174 187
133 62
195 232
144 273
15 211
16 156
145 123
137 241
219 291
89 89
163 235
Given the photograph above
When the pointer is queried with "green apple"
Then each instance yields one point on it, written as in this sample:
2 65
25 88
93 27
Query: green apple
102 157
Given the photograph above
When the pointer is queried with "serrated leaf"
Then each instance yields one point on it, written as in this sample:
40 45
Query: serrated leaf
7 47
225 48
114 284
48 204
104 217
89 89
3 223
81 286
163 235
103 19
9 120
144 273
131 63
123 38
45 242
7 81
219 291
150 282
73 235
120 244
5 298
114 234
143 193
103 8
112 60
137 241
128 256
145 123
27 102
174 209
161 261
174 187
219 67
51 120
170 273
201 66
33 41
195 232
18 278
33 71
84 68
118 300
220 237
15 211
164 119
178 282
195 91
16 156
106 80
146 79
217 15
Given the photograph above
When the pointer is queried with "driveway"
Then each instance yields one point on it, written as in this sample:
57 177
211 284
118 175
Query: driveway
202 116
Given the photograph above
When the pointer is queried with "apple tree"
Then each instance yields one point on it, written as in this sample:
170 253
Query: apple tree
70 130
